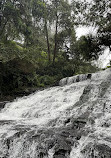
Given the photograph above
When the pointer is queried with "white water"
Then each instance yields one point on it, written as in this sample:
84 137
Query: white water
50 108
43 106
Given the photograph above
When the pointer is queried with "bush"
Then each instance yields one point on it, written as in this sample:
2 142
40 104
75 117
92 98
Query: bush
47 80
108 66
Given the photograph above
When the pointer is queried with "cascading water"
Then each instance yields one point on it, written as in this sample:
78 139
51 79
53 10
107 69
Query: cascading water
72 120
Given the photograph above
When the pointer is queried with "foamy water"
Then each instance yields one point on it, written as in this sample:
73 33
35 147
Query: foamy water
49 109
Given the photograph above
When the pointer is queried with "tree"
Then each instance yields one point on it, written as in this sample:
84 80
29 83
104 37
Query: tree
64 28
104 36
87 48
98 14
40 11
13 20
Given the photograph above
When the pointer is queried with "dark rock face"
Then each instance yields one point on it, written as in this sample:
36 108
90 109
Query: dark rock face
60 154
2 104
77 78
97 150
103 150
89 76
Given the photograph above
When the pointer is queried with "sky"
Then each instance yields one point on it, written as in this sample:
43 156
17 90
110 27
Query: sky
80 31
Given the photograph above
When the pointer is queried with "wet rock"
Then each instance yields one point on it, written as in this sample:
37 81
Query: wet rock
95 150
8 143
73 79
106 124
78 137
67 121
64 133
42 153
91 120
62 144
104 87
5 122
80 122
2 104
103 150
108 139
49 143
89 76
60 154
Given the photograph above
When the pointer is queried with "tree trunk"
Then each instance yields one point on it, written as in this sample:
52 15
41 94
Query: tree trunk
56 31
2 28
47 36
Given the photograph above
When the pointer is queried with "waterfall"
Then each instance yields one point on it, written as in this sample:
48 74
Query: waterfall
77 78
72 120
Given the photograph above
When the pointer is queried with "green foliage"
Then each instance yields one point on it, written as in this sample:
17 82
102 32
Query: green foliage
46 80
104 35
98 15
87 47
108 66
29 68
84 68
45 56
38 8
15 20
10 50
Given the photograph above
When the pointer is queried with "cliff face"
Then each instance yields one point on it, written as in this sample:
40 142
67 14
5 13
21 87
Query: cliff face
72 120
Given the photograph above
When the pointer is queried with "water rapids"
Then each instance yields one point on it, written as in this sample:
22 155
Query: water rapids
72 120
